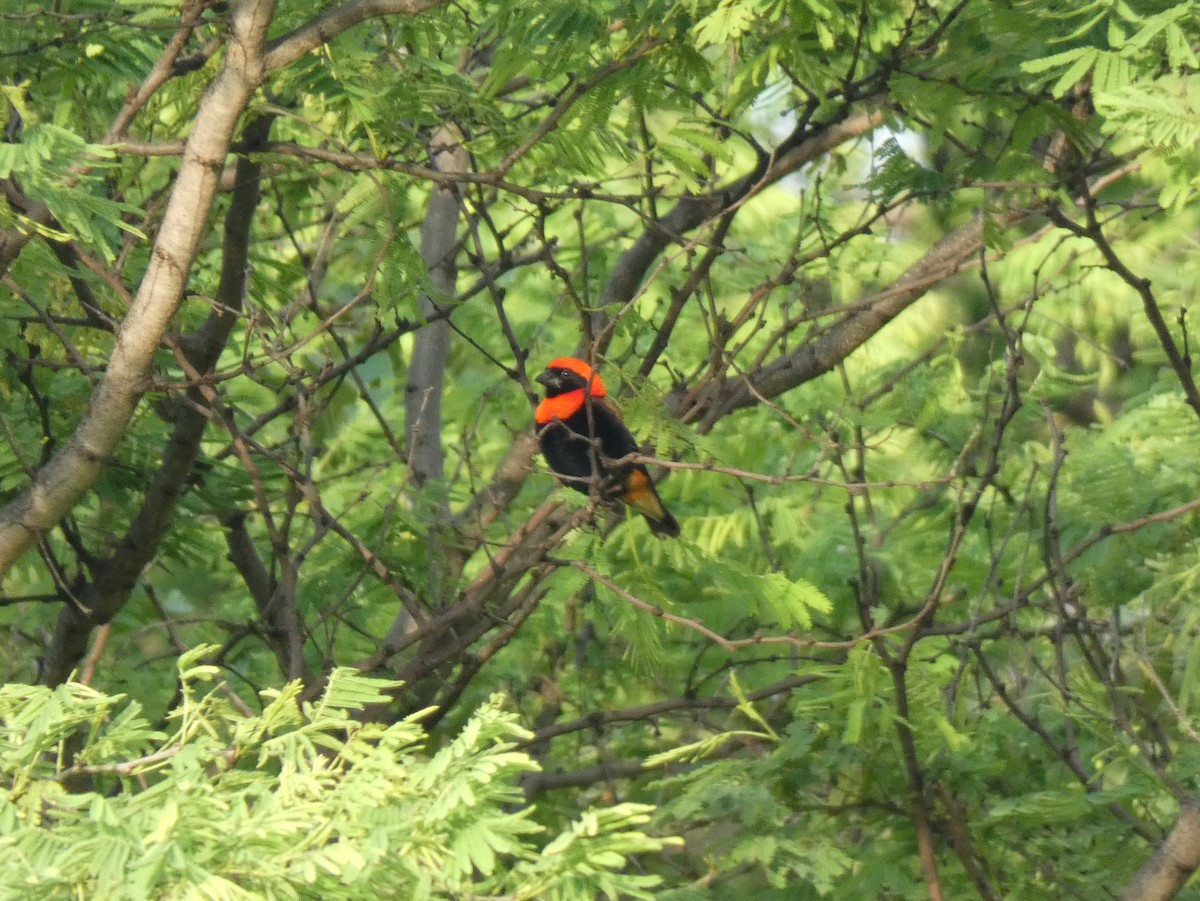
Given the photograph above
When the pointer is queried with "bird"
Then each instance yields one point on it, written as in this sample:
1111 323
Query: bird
581 434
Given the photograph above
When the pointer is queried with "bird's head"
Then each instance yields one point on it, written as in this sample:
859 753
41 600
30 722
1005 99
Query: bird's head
568 374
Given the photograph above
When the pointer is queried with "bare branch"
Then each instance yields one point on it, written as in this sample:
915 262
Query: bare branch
1094 231
290 47
164 69
815 358
800 149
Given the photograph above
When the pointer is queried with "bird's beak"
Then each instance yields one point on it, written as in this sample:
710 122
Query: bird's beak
547 378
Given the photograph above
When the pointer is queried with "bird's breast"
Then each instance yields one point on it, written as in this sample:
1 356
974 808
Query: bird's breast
562 406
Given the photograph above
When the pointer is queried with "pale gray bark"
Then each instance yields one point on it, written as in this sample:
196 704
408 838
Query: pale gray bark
59 484
72 471
431 344
431 347
114 578
1173 862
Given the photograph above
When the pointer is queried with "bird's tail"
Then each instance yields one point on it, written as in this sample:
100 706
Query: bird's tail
638 492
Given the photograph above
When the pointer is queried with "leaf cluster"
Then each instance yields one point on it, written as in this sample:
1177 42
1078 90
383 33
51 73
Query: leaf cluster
304 799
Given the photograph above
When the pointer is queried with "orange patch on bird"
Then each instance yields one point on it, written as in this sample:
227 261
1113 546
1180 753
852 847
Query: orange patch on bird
637 485
564 406
639 493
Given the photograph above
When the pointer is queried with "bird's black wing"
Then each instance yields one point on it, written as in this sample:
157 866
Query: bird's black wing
566 446
616 441
567 453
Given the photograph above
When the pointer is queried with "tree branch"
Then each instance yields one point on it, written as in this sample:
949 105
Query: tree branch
1173 862
114 578
815 358
431 342
60 483
290 47
1095 233
689 213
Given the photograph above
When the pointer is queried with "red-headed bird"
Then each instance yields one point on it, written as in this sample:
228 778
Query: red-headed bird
580 440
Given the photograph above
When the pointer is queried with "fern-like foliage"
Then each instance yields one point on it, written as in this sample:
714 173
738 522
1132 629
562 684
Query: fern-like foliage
302 800
897 173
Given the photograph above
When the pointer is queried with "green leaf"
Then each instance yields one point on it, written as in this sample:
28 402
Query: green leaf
1075 73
